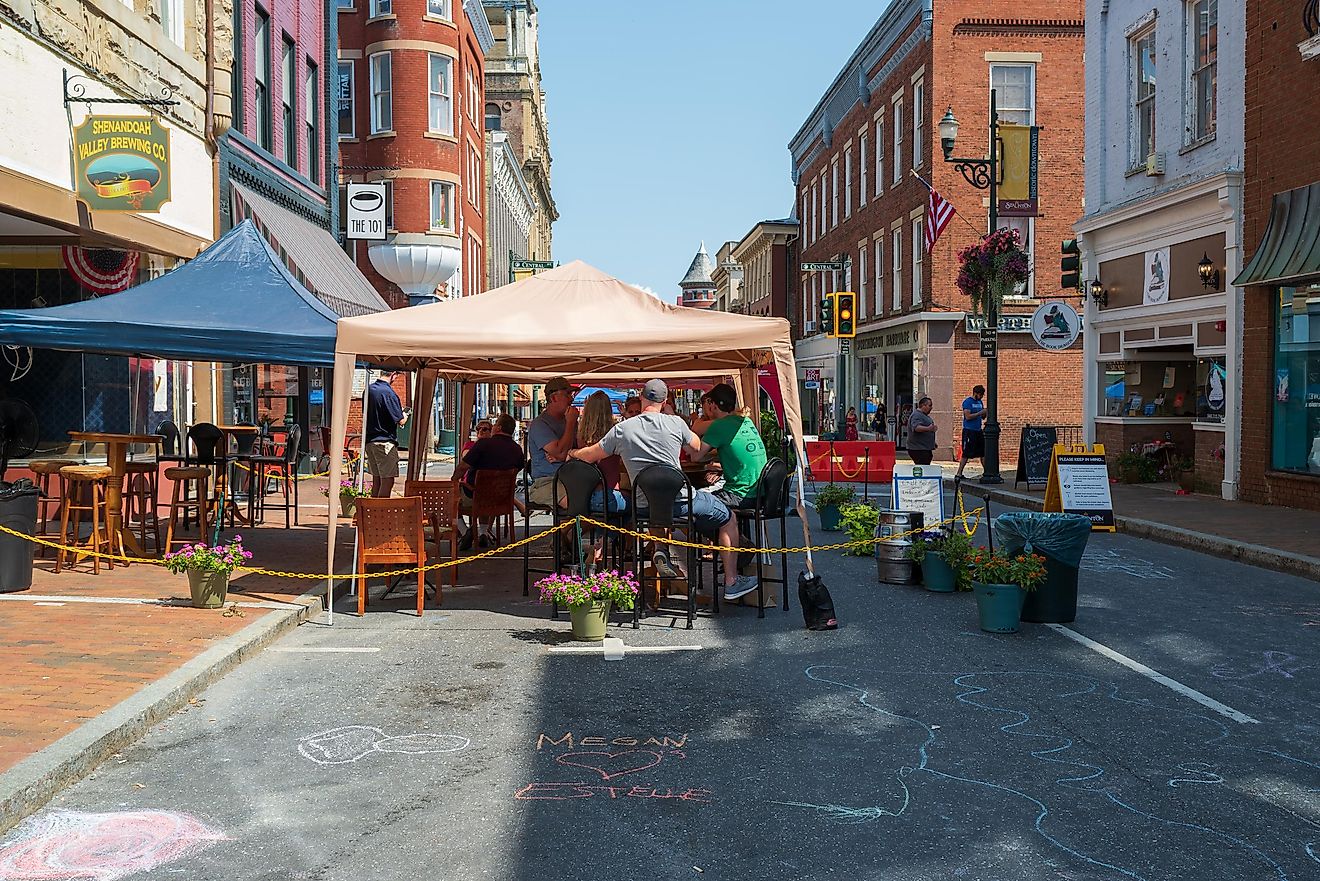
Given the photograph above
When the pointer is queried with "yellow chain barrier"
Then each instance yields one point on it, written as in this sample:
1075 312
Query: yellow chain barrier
493 552
961 511
348 464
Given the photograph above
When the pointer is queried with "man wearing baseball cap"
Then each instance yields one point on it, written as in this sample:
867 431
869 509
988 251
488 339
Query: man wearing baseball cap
656 438
549 438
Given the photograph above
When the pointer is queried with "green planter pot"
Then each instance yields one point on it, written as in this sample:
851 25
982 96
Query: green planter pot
829 517
208 588
589 620
999 606
937 574
347 507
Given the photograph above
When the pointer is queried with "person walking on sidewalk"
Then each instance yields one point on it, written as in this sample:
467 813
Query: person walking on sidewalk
921 433
973 429
384 416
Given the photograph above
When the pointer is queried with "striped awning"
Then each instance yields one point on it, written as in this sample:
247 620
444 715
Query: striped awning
1289 250
311 254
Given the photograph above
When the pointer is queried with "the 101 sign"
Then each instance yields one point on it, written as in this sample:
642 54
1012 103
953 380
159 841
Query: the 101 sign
366 212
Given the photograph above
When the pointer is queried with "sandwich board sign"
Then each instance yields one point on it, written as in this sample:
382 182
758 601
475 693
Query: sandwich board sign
366 212
1079 484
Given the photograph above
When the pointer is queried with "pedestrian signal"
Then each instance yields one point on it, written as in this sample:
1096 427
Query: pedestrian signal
1070 265
827 314
845 314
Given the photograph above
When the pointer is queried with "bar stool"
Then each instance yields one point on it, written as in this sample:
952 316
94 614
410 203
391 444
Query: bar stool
140 488
196 476
91 479
44 470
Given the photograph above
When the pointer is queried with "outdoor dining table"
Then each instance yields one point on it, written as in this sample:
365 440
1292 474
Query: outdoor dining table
122 540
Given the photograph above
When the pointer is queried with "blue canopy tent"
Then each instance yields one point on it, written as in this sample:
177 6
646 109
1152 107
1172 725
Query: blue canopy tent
236 302
618 397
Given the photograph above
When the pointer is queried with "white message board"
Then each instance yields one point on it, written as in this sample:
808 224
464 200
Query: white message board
920 489
1084 488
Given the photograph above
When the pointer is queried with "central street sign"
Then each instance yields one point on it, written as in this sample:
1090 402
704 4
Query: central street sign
823 267
518 263
366 212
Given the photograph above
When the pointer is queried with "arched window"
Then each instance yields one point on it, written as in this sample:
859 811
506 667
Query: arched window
492 117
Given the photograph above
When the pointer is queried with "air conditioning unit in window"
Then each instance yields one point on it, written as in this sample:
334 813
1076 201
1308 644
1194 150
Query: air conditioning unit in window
811 327
1155 165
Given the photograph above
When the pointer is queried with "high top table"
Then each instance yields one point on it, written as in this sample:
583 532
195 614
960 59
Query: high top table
122 540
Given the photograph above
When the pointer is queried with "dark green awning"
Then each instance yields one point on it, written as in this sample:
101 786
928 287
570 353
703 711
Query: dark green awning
1289 250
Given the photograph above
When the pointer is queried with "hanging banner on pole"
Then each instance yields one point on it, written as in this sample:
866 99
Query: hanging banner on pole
1018 195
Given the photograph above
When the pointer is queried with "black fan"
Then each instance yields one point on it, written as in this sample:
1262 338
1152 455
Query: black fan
19 433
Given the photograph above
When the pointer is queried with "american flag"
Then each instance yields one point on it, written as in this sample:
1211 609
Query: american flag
938 215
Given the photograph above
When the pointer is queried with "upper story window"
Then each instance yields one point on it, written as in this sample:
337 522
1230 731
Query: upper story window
1203 28
344 4
863 157
473 94
171 20
440 8
311 89
345 101
494 118
834 194
918 248
288 87
898 140
442 205
1026 230
847 180
381 7
382 98
918 123
879 156
440 95
239 67
1015 92
896 265
1142 50
261 77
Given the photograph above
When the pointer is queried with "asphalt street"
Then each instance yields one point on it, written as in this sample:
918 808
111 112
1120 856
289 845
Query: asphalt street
906 745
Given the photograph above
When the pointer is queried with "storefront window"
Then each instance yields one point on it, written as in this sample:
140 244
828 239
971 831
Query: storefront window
1296 392
1152 388
1211 389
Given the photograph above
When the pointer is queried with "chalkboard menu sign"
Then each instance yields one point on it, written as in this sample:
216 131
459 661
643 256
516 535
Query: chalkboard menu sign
1034 449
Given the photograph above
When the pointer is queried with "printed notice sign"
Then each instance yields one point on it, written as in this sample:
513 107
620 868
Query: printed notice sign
920 489
1079 484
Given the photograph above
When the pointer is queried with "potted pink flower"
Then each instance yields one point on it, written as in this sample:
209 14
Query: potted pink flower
991 268
208 569
589 599
348 496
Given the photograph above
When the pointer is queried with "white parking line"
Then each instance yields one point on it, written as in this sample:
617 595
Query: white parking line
615 649
325 650
1185 690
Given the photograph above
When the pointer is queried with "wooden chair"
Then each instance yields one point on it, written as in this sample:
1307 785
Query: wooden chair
440 509
492 499
85 482
390 531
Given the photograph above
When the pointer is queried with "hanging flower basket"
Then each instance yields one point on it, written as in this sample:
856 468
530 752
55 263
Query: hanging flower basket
991 268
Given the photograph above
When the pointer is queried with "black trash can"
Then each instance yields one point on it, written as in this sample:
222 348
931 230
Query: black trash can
18 511
1061 540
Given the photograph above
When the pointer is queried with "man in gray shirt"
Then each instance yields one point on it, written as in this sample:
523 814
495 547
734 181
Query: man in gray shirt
549 438
655 438
921 433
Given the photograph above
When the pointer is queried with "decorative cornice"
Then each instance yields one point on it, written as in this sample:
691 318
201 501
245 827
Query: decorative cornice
480 26
1019 27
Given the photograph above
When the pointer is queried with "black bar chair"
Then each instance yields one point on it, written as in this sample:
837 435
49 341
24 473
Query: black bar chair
205 439
771 504
655 491
284 469
529 510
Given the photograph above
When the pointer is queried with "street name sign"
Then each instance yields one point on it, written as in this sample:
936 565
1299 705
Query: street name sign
823 267
1079 484
366 212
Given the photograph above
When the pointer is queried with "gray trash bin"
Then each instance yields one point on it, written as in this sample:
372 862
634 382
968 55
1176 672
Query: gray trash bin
18 511
1061 540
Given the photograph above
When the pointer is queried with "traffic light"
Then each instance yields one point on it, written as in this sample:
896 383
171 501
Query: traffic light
845 312
1070 265
827 313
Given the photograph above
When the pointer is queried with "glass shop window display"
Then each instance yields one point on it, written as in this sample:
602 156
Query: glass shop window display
1296 392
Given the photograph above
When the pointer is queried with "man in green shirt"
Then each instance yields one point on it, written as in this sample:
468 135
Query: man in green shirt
737 440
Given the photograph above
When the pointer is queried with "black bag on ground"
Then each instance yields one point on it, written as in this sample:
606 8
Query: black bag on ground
816 602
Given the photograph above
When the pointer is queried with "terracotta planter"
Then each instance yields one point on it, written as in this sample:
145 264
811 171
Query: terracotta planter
1187 481
208 588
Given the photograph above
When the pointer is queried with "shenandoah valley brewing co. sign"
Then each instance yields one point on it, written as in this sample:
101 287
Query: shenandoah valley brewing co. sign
122 163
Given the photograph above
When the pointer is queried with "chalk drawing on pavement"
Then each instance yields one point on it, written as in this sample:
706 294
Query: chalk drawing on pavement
67 845
1205 774
1123 564
350 743
609 764
1280 663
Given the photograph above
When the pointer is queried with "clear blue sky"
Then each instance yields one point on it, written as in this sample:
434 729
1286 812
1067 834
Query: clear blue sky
669 122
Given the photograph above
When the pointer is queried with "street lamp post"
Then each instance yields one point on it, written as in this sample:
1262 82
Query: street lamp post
984 175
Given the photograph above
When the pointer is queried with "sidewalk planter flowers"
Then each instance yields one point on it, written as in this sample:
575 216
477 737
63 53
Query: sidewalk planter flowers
589 599
208 569
999 583
348 496
990 269
828 501
859 521
1186 474
943 558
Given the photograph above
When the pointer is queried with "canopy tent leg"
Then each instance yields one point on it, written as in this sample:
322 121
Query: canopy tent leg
342 394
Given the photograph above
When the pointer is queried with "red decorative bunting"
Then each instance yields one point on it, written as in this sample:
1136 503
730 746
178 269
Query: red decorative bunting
101 271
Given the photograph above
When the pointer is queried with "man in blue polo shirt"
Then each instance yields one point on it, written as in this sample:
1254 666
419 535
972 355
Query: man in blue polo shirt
973 429
384 416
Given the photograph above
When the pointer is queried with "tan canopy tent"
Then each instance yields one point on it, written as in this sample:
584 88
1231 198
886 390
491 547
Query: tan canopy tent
573 321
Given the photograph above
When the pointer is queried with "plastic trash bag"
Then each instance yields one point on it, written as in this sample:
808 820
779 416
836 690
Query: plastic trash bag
1062 537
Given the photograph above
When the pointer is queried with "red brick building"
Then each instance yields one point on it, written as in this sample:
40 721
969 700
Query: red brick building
860 204
1280 454
411 97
